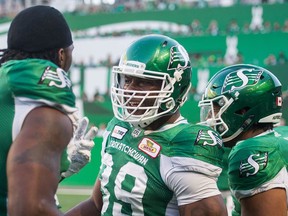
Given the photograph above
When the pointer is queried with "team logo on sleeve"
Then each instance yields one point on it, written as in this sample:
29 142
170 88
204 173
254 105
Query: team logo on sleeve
209 137
150 147
55 77
119 132
253 164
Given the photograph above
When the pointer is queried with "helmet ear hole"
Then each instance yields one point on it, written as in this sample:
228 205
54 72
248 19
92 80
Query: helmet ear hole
276 93
242 111
183 90
165 43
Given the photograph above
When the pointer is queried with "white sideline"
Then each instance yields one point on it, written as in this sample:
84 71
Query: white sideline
74 191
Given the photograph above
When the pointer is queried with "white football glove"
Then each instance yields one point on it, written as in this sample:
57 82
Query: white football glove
80 146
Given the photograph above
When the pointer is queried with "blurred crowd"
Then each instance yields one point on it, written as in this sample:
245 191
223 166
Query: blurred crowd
196 28
11 7
199 60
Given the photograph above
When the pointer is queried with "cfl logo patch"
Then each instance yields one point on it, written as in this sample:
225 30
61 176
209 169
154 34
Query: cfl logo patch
119 132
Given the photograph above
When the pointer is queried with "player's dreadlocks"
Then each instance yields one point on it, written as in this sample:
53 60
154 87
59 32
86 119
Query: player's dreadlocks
10 54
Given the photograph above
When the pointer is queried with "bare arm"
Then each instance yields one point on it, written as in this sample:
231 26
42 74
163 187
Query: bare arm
212 206
272 202
33 164
91 206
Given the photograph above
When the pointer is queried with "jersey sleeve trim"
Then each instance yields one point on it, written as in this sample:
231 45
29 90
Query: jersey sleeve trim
178 164
190 187
62 107
279 181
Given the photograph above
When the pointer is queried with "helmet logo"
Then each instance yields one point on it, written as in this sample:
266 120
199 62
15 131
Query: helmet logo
240 79
178 58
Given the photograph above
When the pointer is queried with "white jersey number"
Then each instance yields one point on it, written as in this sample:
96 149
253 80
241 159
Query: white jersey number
132 197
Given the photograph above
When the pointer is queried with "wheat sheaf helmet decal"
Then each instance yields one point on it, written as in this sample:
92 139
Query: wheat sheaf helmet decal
178 58
240 79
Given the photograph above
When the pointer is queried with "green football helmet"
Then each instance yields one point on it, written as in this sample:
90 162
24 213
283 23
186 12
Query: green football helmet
153 58
239 96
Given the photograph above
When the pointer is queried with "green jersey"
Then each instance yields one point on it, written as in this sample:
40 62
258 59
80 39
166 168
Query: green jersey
24 85
223 178
259 163
137 165
223 184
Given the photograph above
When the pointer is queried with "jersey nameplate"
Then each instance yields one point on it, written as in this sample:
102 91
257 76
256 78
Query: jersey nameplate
149 147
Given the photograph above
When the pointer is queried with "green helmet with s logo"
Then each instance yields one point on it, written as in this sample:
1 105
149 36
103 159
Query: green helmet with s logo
239 96
151 58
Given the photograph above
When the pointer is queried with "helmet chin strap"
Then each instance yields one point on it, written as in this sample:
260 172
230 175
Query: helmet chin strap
143 124
239 131
184 98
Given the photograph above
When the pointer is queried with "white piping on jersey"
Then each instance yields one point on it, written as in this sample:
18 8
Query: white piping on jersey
22 108
24 105
180 120
261 134
265 132
65 108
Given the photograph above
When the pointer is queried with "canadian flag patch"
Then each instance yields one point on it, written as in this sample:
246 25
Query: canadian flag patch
150 147
279 101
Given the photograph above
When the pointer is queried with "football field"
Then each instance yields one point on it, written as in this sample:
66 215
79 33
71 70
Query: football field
69 197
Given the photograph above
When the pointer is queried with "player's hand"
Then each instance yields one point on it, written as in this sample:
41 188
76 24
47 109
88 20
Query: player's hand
80 146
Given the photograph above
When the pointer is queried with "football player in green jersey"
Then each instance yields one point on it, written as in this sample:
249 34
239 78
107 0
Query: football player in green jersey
243 103
154 162
37 111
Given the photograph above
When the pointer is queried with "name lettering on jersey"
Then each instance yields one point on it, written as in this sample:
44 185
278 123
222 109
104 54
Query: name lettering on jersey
129 151
209 137
119 132
150 147
240 79
55 77
253 164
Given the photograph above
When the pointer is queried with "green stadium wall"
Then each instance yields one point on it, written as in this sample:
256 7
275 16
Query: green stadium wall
241 13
